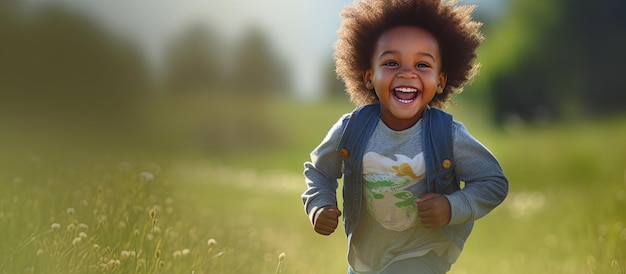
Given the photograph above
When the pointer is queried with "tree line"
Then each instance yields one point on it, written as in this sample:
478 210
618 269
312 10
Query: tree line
568 60
56 61
567 55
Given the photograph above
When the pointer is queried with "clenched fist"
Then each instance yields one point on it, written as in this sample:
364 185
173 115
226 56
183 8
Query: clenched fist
434 210
326 220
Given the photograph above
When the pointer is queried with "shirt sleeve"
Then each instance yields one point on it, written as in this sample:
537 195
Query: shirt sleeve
485 183
323 170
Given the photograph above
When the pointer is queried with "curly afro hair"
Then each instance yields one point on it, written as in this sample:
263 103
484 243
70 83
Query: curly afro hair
364 21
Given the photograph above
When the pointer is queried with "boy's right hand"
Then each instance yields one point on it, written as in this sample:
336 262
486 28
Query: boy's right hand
326 220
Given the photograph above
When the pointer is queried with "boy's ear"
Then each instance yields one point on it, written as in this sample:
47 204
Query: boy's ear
441 82
367 79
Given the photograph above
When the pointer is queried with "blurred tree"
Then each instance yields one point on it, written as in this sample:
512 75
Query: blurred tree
595 41
193 63
59 66
333 86
558 58
257 69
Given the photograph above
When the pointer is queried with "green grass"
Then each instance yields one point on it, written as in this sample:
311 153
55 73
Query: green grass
232 204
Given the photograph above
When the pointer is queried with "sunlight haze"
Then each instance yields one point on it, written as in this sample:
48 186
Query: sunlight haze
302 32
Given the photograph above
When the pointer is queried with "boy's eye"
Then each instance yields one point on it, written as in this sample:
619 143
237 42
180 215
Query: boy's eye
422 65
390 63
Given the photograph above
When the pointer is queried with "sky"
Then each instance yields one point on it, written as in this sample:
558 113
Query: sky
302 32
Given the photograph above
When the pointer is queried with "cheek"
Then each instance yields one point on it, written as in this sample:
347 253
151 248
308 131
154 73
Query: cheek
381 79
430 79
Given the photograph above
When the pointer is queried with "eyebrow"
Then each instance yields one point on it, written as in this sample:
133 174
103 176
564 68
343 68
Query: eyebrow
396 52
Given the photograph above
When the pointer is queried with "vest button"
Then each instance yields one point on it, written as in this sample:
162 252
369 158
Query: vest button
344 153
446 164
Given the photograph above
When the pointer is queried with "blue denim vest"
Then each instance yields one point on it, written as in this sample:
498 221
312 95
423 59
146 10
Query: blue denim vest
440 176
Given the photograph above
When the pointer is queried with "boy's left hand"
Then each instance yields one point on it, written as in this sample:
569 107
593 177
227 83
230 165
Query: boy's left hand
434 210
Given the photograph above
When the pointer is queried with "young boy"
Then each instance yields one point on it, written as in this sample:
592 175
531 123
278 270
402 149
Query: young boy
403 56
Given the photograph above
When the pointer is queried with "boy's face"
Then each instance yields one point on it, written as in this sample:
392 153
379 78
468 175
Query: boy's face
406 74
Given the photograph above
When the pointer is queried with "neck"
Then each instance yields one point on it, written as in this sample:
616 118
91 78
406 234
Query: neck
400 124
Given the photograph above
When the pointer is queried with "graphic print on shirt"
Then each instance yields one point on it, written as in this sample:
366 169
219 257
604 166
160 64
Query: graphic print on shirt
390 188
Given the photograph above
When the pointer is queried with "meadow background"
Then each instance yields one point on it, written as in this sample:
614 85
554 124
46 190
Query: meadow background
107 166
75 209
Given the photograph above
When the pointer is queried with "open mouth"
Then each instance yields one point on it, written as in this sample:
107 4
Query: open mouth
405 95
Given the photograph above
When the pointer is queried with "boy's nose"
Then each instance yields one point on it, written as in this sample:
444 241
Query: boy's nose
407 74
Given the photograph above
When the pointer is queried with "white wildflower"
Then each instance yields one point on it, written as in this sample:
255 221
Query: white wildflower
112 263
177 254
186 251
124 254
146 176
76 241
55 226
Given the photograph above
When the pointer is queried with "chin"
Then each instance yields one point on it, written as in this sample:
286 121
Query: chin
407 111
406 115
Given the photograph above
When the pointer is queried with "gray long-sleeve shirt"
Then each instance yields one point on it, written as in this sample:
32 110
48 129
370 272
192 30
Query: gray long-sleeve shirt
393 174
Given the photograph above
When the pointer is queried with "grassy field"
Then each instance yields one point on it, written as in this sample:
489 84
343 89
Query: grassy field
229 201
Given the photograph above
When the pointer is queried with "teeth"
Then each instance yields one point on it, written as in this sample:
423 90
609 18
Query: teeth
406 89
